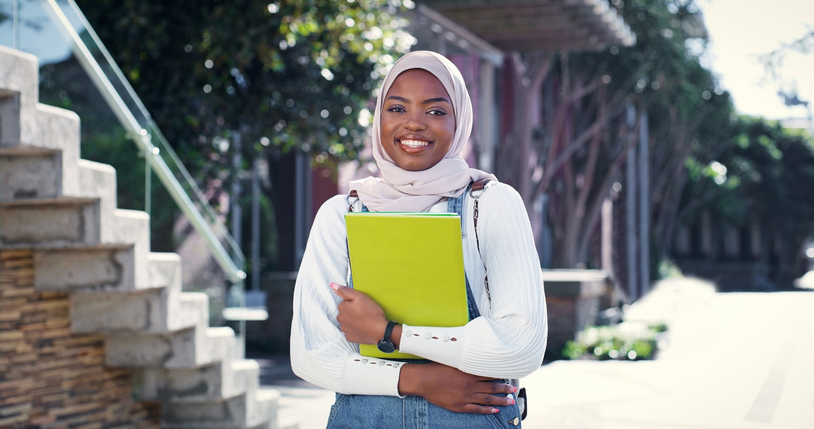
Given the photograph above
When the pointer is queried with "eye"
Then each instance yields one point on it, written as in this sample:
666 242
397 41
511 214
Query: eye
396 108
436 112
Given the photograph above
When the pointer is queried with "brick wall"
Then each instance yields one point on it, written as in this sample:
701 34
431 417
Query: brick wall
48 377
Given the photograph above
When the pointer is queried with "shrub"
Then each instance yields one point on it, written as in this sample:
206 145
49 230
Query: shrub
625 341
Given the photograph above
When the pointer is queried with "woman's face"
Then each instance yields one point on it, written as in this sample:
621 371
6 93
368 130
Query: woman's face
418 123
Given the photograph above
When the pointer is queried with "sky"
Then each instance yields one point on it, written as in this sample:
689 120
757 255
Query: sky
739 31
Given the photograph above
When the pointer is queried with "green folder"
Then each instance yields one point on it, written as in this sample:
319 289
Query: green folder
412 265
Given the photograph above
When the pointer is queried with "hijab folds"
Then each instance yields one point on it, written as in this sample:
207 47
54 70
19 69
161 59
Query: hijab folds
400 190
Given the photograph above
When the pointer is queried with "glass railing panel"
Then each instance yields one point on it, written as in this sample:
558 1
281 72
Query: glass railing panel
75 65
136 115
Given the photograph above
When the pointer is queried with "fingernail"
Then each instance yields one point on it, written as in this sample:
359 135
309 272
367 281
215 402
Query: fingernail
511 401
514 389
334 286
495 410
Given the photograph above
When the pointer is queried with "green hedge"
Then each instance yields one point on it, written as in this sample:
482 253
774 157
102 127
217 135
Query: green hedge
625 341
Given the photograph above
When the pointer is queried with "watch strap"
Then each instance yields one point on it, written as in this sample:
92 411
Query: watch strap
388 331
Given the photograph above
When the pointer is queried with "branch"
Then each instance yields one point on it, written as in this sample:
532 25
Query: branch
597 126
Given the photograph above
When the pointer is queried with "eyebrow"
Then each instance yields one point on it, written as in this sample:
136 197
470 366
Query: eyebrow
427 101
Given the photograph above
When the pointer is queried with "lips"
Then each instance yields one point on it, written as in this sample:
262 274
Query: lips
413 146
414 143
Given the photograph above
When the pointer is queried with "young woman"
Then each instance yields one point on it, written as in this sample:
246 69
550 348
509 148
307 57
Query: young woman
422 121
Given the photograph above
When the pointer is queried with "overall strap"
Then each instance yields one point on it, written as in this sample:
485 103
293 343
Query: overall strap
352 198
456 205
476 190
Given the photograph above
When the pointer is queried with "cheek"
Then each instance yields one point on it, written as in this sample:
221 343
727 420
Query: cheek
449 130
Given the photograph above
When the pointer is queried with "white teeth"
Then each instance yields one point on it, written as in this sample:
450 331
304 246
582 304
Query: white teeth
414 143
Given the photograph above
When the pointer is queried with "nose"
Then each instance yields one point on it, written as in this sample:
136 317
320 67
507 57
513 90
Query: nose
414 122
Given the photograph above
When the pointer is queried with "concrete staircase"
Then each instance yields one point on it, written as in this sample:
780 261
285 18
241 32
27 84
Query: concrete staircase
64 208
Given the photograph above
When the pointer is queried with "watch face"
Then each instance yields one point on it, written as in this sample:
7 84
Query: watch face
386 346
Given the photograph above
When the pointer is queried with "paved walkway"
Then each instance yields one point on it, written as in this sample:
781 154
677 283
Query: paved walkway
736 360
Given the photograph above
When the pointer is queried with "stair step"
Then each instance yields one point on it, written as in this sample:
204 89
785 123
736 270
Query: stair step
19 93
32 175
165 270
50 223
84 268
69 221
43 174
188 348
103 268
38 127
251 410
151 311
222 380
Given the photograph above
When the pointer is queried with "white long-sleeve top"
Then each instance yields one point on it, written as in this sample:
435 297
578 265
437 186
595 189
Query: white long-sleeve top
507 341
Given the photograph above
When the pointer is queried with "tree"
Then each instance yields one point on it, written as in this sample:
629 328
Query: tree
253 78
576 153
773 61
765 173
296 72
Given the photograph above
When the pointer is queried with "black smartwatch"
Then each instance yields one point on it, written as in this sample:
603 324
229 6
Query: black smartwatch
386 345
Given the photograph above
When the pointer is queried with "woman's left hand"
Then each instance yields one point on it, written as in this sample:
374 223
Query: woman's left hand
360 318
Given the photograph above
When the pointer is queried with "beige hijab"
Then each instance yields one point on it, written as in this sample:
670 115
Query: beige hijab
400 190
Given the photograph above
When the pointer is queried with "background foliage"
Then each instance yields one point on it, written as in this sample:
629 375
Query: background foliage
227 82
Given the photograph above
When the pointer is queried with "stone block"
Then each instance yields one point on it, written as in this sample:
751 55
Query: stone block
222 380
253 409
84 269
151 311
27 177
19 94
188 348
93 180
133 228
574 299
49 224
165 270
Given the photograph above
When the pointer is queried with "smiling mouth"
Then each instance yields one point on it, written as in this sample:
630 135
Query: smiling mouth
413 147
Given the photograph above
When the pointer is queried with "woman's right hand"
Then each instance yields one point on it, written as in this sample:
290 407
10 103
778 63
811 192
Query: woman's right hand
453 389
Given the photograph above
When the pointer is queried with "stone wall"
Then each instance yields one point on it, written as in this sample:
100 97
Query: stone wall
574 299
48 377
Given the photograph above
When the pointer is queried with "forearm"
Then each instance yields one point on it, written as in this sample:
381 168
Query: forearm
508 348
453 389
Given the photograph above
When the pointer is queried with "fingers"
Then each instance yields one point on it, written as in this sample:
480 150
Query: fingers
484 399
498 388
341 291
487 404
479 409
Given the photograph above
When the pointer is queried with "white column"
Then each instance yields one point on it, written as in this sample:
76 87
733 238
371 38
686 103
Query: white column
607 237
644 204
234 197
256 224
630 213
486 116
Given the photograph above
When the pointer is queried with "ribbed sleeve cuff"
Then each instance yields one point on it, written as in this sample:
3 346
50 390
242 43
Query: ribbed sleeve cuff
371 376
442 345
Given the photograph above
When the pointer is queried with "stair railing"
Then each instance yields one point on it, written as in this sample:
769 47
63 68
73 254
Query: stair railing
160 158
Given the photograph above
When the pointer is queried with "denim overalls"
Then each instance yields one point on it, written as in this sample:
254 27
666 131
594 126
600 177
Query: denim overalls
415 412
